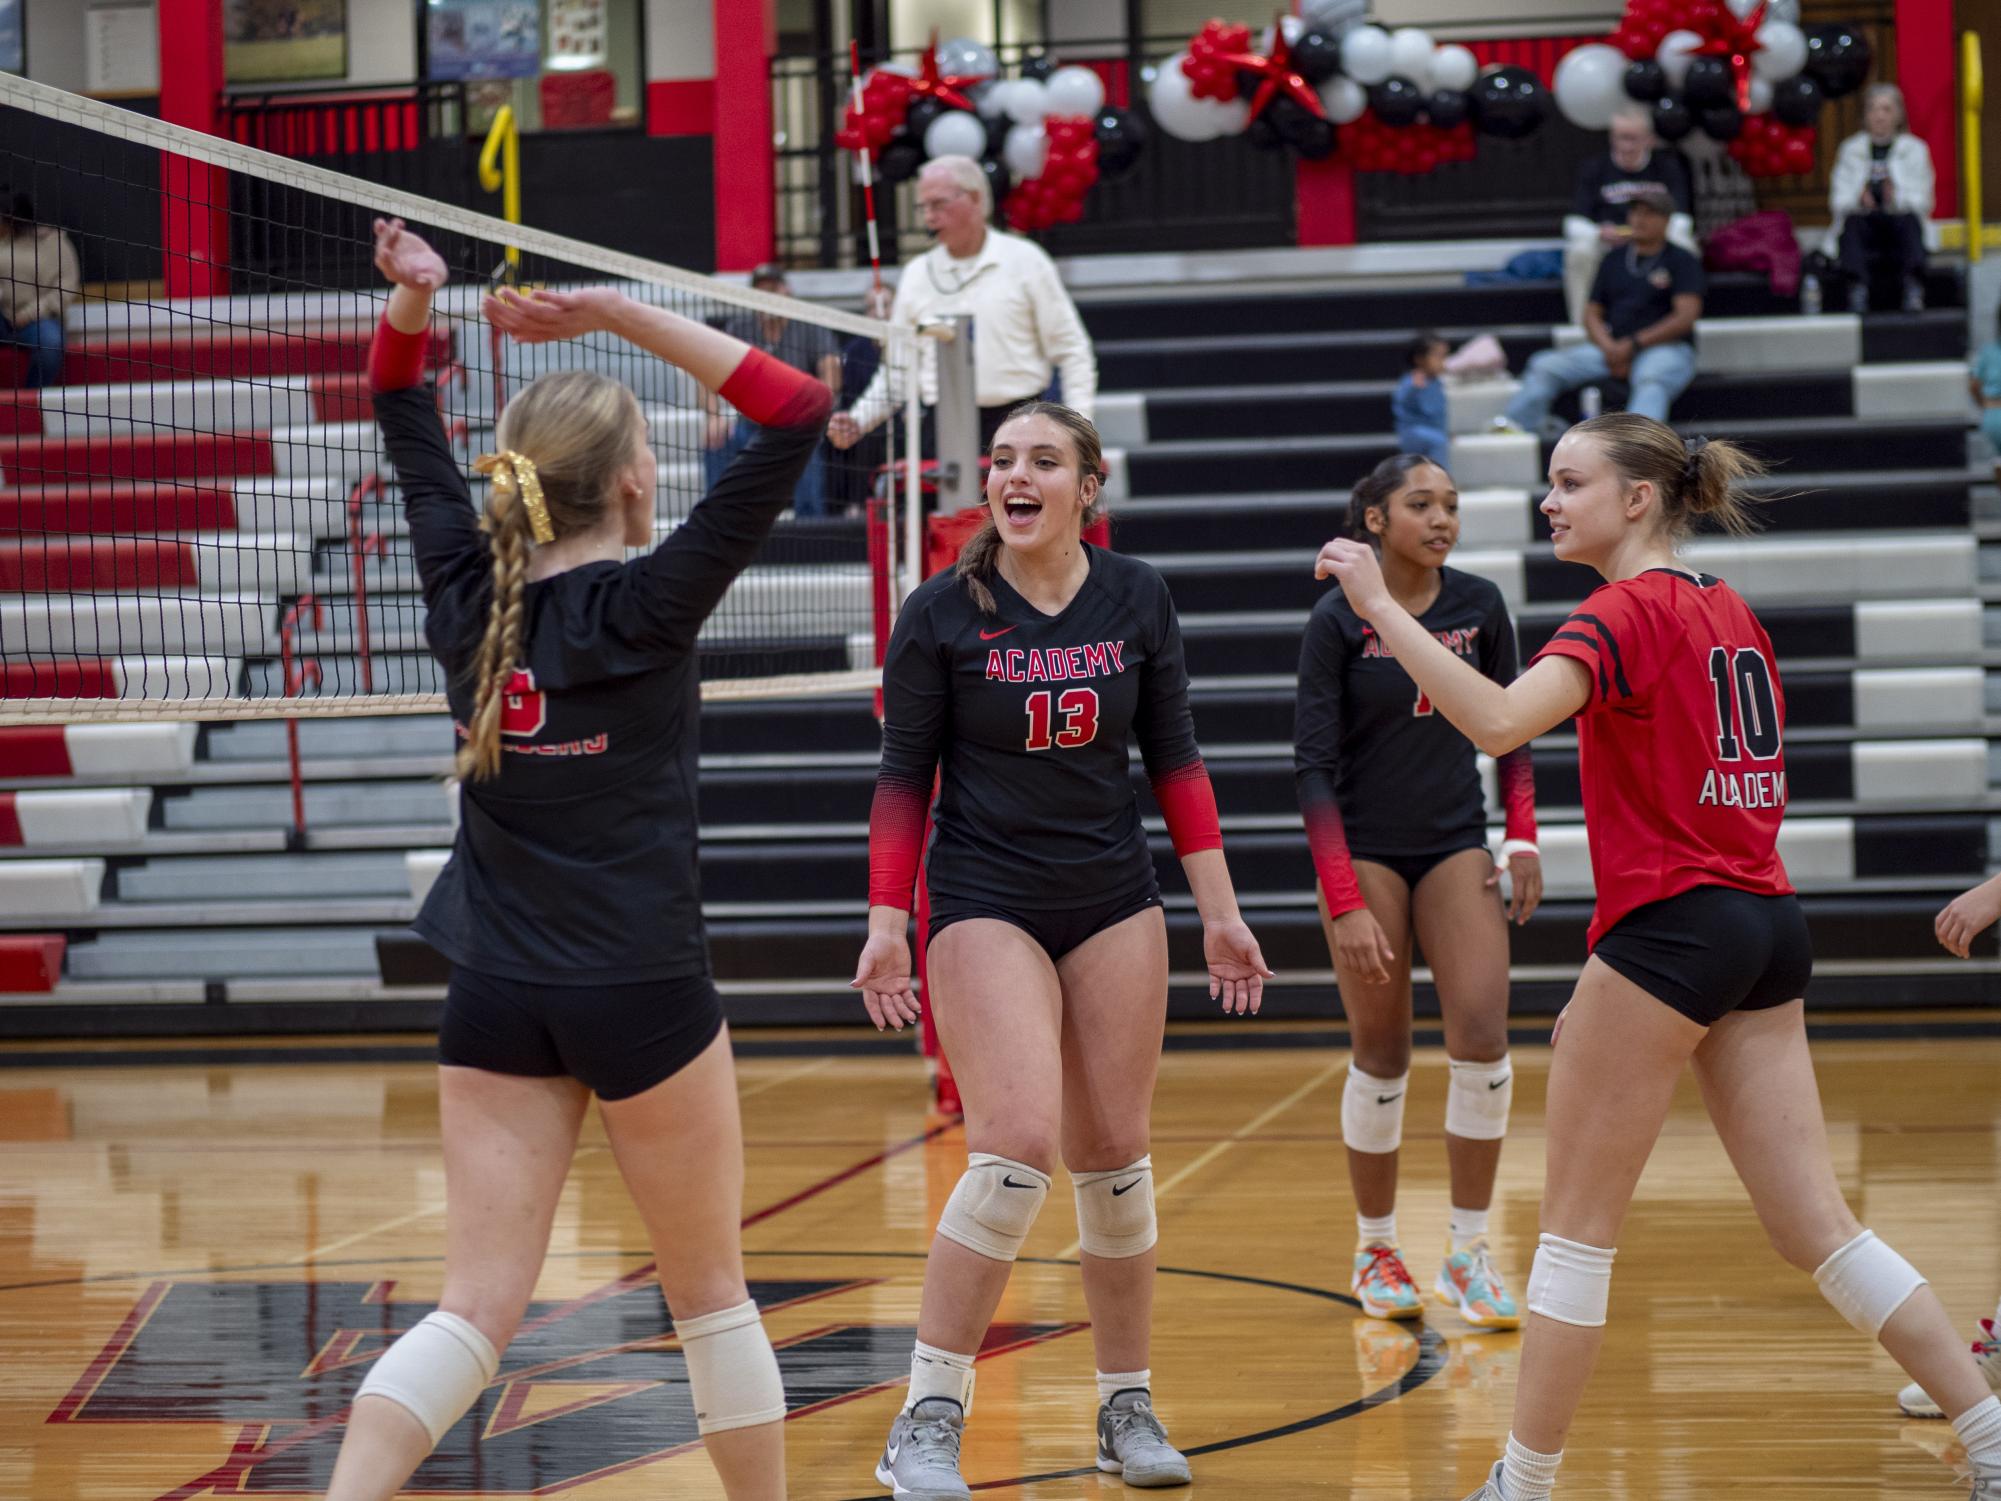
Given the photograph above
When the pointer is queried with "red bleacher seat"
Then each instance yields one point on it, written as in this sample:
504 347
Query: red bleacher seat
31 963
34 750
134 506
164 455
70 678
96 564
221 352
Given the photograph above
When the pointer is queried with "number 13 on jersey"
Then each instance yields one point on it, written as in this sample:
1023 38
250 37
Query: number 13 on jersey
1079 708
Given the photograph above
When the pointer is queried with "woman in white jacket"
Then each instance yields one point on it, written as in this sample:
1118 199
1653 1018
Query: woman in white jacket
1881 195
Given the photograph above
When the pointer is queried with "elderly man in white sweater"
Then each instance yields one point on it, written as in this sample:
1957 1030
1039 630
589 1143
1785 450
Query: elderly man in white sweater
1881 197
1024 324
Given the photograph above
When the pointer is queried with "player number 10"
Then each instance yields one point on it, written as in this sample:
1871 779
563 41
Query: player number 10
1079 708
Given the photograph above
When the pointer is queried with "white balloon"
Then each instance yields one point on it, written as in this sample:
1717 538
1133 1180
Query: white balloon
1176 110
962 57
1366 56
1074 91
1761 94
1343 99
1673 55
1027 101
1026 150
1781 51
1590 85
1410 55
990 99
955 133
1454 67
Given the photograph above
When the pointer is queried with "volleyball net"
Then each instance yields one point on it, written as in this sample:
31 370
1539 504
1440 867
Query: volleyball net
197 515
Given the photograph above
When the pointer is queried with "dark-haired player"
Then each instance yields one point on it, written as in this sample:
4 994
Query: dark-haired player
570 909
1699 950
1397 823
1019 678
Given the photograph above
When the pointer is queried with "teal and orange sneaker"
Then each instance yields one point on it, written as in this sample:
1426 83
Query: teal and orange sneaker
1383 1284
1470 1282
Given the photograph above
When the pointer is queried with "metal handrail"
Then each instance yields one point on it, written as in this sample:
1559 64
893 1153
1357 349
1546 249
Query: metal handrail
500 171
1971 88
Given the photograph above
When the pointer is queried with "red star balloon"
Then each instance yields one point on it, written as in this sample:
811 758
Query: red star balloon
1277 74
944 87
1735 39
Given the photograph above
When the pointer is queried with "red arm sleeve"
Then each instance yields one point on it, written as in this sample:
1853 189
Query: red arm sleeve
396 359
1316 761
772 394
917 706
1517 785
1188 802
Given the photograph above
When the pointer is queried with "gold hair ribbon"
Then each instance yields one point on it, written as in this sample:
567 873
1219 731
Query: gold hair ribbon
511 471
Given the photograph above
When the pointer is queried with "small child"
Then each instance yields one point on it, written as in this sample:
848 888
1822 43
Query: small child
1986 387
1418 404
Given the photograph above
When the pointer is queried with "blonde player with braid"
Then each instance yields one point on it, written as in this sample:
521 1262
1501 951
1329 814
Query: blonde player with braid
570 910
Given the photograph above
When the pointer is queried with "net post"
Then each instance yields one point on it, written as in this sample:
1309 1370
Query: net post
913 482
957 414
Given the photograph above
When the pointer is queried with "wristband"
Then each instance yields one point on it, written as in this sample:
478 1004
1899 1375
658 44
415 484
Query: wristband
1513 847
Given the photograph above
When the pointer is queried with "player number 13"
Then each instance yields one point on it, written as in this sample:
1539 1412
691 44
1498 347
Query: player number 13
1079 708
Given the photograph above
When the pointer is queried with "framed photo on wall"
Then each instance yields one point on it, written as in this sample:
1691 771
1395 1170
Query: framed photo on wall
13 54
475 39
284 41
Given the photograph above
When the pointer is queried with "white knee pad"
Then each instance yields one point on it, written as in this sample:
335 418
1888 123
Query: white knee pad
1115 1210
1476 1103
994 1206
1372 1111
732 1372
1867 1281
434 1372
1570 1282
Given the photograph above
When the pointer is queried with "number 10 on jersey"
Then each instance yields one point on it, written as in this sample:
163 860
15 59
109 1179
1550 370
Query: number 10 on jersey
1079 708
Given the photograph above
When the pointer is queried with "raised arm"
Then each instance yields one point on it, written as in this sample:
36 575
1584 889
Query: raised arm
1493 717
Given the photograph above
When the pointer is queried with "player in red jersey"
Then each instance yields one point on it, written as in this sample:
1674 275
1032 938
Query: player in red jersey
1397 823
1699 950
1019 679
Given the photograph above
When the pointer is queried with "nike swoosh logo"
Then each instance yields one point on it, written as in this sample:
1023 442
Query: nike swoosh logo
1497 1083
1007 1182
1117 1189
889 1454
1384 1099
995 635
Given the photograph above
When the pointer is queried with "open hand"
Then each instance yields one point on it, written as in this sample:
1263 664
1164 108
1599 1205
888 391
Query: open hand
540 317
883 978
1361 576
843 431
404 258
1966 915
1524 884
1237 972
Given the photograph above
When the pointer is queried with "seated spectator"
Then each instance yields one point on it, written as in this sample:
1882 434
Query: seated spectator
1986 385
1606 186
1881 198
1418 404
39 279
1643 307
810 347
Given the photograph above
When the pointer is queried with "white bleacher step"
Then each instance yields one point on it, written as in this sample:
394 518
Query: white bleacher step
1911 389
1487 461
387 735
51 888
1472 405
1922 630
1818 852
328 805
210 953
1928 772
1763 345
1909 698
97 816
105 625
421 869
1813 569
264 878
210 406
91 751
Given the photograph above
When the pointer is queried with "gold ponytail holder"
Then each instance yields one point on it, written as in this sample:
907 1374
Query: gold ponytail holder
510 471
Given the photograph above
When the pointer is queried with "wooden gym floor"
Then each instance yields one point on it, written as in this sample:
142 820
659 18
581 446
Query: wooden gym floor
199 1255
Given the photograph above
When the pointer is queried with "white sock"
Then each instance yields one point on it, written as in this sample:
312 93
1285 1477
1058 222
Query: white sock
1979 1428
1111 1383
1527 1475
1377 1232
1468 1225
939 1373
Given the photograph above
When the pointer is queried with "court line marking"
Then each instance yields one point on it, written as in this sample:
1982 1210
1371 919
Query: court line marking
1242 1133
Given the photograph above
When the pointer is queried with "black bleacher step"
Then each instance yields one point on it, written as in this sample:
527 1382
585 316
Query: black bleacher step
1755 394
1403 309
781 726
1938 333
1844 444
1817 771
1268 359
1857 499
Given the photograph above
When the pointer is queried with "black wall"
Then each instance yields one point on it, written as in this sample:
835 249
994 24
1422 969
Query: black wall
645 195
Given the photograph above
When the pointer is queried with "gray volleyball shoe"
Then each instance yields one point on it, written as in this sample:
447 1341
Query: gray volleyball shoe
1133 1444
1985 1488
1491 1491
921 1460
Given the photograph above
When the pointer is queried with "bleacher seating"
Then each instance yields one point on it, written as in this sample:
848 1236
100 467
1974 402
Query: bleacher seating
173 879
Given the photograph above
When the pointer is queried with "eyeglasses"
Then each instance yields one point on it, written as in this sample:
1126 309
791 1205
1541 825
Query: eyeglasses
925 205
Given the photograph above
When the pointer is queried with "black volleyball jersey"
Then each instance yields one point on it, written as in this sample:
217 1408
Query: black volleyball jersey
1377 769
1028 716
577 862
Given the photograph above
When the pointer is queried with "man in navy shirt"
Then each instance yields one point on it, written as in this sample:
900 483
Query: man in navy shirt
1637 326
1596 225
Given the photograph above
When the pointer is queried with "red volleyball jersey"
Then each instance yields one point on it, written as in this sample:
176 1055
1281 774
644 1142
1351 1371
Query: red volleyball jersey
1681 747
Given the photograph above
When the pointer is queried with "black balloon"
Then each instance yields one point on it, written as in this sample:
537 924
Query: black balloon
1722 122
1672 119
1396 101
1837 58
1646 81
1037 67
1446 108
1509 102
1121 143
997 178
1710 83
900 159
1797 100
1316 57
921 113
1298 127
997 129
1263 134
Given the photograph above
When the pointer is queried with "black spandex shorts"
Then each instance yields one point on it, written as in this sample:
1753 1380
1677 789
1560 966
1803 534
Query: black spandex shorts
1714 950
1059 930
1414 868
620 1040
